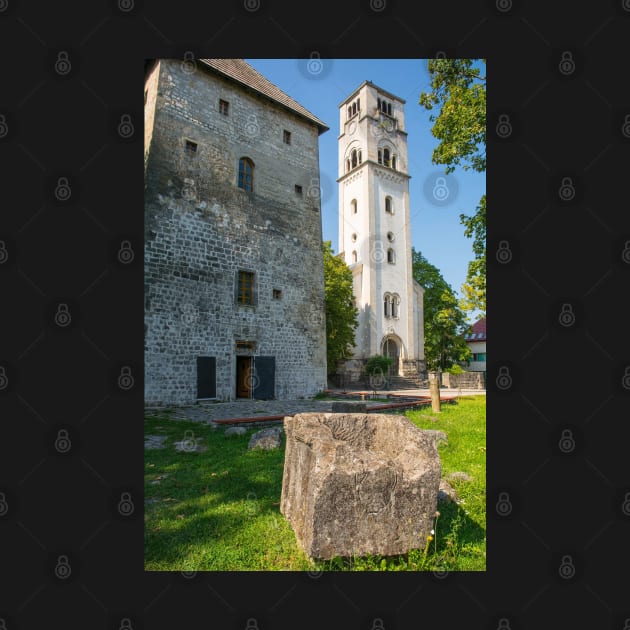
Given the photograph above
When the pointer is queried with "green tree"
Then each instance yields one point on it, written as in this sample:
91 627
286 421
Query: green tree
458 89
444 321
341 314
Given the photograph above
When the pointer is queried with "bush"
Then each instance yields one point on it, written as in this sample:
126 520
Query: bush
377 365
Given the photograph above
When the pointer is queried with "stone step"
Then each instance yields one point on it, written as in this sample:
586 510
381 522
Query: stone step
406 382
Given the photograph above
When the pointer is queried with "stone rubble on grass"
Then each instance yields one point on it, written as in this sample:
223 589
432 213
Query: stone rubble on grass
447 493
439 436
189 445
236 431
357 484
459 476
266 439
153 442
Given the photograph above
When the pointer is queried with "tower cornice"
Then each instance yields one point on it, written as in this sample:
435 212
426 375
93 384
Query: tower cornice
380 170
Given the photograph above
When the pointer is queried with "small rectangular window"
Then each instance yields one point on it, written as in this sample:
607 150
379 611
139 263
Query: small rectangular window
286 137
245 287
224 107
191 147
298 189
277 294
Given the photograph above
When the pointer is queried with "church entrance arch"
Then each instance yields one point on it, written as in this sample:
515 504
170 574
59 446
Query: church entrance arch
392 347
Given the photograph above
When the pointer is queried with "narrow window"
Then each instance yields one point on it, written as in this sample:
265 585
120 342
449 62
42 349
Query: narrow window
378 103
277 294
224 107
286 137
386 157
394 162
395 302
386 306
354 108
246 174
360 160
354 237
354 256
349 111
390 237
380 156
354 158
191 147
389 108
347 165
245 287
358 104
298 189
388 205
391 257
353 206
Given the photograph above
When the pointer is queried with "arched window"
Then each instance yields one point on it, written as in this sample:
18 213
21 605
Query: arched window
354 108
353 157
386 157
354 256
389 208
380 156
354 237
391 256
360 160
395 305
387 304
389 108
349 111
394 162
347 165
390 237
353 206
246 174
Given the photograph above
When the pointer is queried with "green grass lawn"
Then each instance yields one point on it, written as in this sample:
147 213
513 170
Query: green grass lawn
218 510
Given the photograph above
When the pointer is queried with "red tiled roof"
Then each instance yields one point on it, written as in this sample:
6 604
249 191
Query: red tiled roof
478 332
240 71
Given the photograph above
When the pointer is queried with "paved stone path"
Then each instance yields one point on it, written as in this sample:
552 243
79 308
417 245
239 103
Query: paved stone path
208 412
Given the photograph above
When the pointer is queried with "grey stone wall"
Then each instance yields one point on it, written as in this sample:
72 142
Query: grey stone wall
200 229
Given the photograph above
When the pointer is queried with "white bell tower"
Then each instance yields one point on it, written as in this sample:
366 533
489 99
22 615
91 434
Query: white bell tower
374 230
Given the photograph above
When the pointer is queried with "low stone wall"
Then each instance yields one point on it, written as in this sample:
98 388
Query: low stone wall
467 380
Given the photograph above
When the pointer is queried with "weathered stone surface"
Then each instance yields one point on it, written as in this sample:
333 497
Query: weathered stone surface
267 439
236 431
348 407
358 483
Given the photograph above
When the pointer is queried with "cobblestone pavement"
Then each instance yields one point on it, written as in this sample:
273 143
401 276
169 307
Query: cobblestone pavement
208 412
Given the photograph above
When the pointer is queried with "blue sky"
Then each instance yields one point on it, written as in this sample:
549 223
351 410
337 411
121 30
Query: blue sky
435 227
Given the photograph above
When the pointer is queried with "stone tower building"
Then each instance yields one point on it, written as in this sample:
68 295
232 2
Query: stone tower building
374 230
234 280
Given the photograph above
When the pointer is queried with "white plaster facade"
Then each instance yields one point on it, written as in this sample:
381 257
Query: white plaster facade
374 228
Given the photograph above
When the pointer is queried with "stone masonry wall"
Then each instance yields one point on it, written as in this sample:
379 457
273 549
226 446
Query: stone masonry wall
200 229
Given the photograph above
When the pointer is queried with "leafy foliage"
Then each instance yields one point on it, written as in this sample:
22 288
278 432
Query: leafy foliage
341 314
458 89
444 321
377 365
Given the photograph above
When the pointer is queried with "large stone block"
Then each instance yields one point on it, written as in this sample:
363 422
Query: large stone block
355 484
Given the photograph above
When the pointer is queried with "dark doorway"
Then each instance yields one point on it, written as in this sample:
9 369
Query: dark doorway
206 377
391 350
244 377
